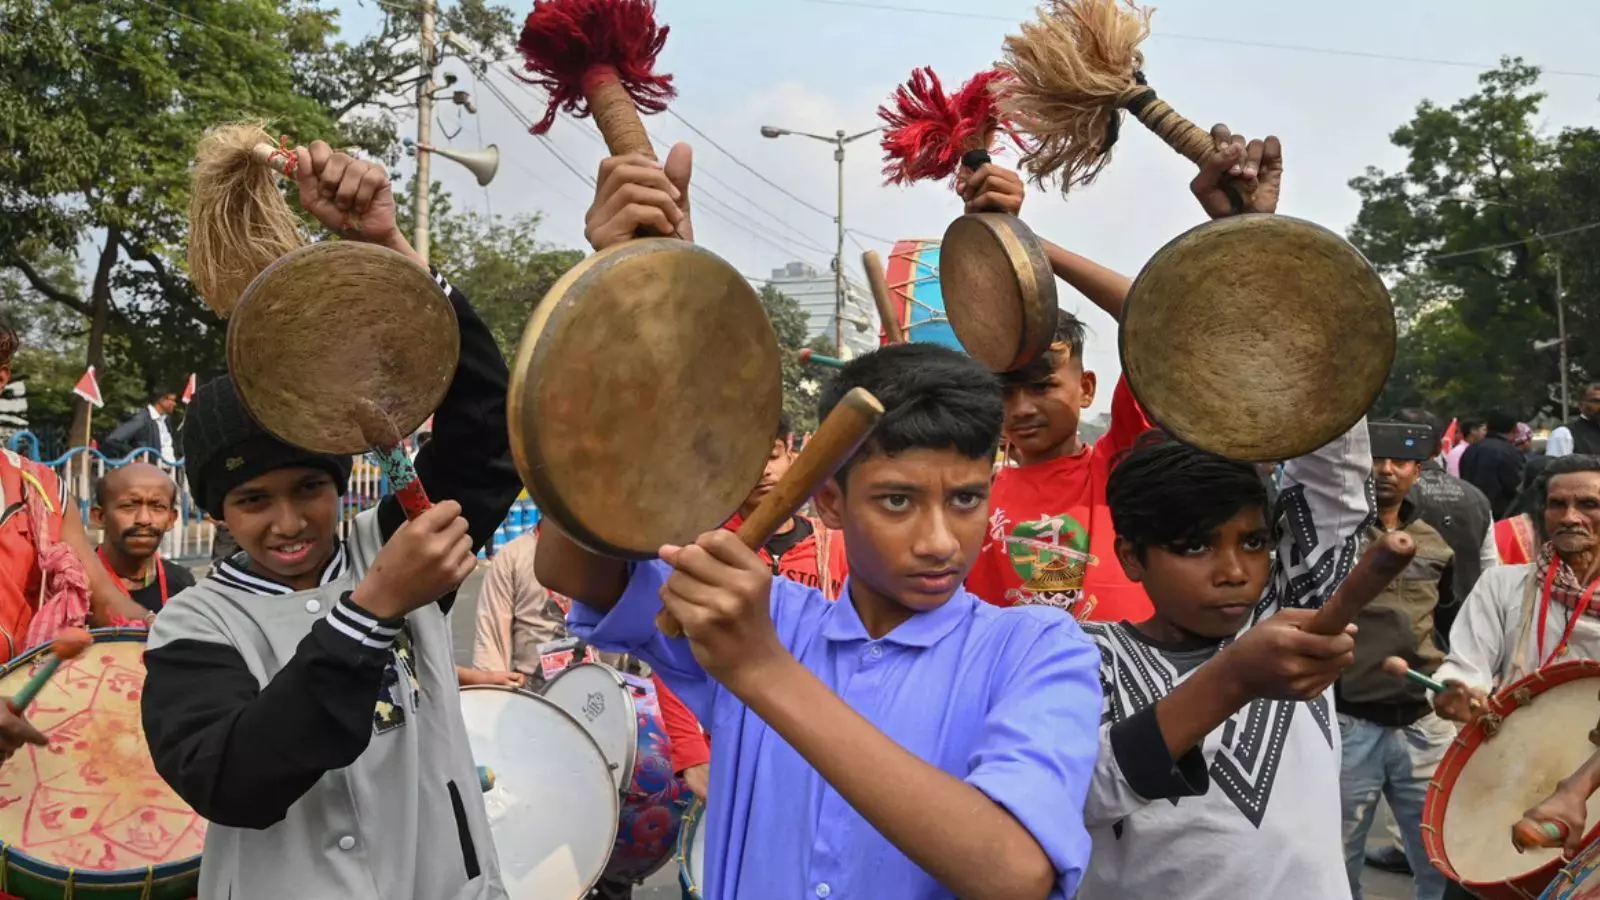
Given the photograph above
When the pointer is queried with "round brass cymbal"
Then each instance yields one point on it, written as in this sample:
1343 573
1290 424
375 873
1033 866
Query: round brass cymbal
645 396
1257 337
336 332
999 291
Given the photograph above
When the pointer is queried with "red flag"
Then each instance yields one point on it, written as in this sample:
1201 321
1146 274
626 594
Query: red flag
88 388
1452 436
188 390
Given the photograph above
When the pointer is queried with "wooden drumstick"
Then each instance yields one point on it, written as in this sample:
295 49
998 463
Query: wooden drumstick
1399 668
69 644
879 282
1381 564
850 422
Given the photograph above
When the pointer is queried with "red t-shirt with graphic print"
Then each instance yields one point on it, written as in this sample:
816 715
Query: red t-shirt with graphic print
1050 539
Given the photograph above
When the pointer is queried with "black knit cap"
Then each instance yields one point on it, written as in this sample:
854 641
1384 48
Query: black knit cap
223 447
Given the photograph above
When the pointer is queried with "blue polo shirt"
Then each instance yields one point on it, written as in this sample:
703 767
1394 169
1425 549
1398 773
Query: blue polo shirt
1006 699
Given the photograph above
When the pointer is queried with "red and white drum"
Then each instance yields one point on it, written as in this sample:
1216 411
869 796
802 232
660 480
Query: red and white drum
553 804
1535 734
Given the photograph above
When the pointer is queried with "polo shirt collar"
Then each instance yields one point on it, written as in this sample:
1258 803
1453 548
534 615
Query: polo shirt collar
923 629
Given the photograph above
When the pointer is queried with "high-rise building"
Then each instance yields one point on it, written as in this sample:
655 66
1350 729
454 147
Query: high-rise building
815 292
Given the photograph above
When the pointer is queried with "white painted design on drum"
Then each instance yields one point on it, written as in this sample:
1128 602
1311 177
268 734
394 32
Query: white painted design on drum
553 809
1537 746
597 696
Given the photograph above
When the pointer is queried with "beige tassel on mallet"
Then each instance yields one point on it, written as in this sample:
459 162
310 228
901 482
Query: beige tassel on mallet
1072 72
239 220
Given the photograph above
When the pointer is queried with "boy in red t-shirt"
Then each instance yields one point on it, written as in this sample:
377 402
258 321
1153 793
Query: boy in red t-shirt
1050 536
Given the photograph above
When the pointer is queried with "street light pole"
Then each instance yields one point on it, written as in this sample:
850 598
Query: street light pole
838 140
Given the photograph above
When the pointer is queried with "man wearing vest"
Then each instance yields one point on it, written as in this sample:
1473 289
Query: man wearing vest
1392 741
1581 435
45 557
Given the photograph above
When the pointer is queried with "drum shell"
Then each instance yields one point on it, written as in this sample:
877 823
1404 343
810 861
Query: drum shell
1579 879
1508 702
28 877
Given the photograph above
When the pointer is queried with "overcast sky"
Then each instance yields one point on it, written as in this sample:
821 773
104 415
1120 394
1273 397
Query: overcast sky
814 66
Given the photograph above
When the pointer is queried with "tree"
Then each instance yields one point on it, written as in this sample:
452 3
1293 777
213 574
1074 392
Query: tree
801 384
102 104
1458 234
502 267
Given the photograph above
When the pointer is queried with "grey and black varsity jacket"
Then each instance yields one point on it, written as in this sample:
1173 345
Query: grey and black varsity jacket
325 746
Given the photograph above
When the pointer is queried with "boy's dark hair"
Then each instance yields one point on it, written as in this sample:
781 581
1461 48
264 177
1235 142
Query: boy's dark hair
1163 493
1066 344
10 341
785 427
1469 424
159 391
1414 416
933 397
1501 422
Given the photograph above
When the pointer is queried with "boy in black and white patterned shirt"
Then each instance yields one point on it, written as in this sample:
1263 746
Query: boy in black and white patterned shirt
1219 766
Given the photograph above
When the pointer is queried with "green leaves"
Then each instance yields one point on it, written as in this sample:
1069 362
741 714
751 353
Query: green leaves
1458 234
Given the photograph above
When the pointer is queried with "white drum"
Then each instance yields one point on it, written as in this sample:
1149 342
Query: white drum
692 851
598 697
553 804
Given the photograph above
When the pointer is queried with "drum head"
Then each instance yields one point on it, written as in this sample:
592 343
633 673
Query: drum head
999 291
1486 783
692 851
91 802
1257 337
553 807
597 697
645 396
340 332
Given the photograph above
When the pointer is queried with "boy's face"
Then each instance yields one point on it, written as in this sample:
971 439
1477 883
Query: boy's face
1208 589
913 523
286 521
778 462
1042 416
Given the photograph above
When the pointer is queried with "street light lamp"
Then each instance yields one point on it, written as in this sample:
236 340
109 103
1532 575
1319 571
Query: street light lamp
838 140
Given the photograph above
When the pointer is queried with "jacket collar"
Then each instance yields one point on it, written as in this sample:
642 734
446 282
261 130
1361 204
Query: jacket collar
235 573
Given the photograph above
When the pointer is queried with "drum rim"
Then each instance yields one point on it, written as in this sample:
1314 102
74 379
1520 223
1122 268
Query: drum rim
1013 237
12 854
631 751
1434 805
691 826
616 802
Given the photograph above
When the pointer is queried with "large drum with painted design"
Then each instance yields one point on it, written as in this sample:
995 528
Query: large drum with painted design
87 816
912 277
622 714
1579 879
1535 733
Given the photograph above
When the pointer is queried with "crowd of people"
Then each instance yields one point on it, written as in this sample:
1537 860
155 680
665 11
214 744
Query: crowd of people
1085 672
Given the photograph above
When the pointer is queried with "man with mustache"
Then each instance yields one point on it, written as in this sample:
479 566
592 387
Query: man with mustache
1391 740
137 504
1524 617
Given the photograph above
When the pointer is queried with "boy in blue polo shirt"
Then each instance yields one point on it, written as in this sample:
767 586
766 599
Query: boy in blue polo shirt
908 741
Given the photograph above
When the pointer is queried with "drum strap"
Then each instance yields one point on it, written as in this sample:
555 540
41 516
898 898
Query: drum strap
1574 615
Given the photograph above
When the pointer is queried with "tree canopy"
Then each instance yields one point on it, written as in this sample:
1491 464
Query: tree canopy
1470 235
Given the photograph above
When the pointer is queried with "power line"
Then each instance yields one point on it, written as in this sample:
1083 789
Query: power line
871 237
528 123
1530 240
1207 39
743 165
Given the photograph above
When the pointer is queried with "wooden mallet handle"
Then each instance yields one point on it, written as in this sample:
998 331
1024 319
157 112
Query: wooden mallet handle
834 443
1381 564
879 282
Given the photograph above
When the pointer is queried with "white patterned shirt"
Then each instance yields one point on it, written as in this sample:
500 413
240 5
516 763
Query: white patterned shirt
1255 810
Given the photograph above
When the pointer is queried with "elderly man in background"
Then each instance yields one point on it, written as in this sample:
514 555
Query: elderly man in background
136 505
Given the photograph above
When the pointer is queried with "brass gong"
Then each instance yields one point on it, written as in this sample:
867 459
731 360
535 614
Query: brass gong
999 291
1257 337
335 334
645 396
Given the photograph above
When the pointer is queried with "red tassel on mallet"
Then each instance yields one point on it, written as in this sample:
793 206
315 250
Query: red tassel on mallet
929 131
597 57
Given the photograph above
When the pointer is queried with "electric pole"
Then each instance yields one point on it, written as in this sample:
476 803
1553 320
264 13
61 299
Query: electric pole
1561 335
424 131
